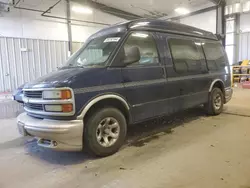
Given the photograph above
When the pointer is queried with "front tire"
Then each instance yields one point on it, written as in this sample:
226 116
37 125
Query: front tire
105 131
215 102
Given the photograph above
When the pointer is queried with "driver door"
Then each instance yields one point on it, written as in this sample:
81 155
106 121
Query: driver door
145 80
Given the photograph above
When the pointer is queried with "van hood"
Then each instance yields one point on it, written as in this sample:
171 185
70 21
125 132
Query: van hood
60 78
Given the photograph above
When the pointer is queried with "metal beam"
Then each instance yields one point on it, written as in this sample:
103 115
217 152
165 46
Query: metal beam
109 10
24 8
237 38
216 2
221 21
69 26
50 8
46 12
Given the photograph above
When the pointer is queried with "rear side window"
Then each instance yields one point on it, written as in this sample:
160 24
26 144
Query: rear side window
215 55
186 56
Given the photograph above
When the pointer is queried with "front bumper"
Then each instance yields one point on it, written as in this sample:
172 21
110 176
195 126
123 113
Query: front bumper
228 94
54 134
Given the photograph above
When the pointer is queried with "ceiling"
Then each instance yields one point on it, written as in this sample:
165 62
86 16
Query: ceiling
36 4
149 8
127 9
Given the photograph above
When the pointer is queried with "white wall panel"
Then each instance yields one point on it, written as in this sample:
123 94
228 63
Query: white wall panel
206 21
244 42
244 22
244 50
27 24
81 33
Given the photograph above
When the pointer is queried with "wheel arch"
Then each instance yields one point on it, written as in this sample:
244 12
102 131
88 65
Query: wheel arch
219 83
114 100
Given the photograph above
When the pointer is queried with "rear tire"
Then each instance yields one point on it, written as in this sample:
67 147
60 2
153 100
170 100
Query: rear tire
105 131
215 102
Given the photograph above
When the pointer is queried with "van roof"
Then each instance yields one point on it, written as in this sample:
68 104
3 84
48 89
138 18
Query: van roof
165 26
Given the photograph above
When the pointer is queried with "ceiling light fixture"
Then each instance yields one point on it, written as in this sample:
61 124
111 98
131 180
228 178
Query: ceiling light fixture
82 10
182 10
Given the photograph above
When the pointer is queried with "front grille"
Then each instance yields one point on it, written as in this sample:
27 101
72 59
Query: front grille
33 94
34 106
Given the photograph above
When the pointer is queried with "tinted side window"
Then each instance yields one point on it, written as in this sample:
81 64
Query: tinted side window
147 47
214 55
186 56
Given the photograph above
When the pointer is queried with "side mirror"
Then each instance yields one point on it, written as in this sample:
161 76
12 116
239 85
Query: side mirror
133 55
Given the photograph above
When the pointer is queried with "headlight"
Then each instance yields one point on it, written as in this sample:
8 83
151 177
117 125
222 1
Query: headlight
57 94
59 108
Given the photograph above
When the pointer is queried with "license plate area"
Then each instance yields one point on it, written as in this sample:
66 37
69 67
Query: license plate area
21 129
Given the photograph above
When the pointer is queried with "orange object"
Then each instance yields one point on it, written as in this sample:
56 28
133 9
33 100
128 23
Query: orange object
67 107
66 94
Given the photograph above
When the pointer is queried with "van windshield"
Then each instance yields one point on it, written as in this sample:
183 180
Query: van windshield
96 52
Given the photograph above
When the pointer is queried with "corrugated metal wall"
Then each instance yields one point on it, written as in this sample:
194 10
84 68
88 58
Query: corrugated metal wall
244 51
23 60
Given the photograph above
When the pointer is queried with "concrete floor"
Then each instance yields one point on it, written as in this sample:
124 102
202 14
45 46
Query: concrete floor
187 150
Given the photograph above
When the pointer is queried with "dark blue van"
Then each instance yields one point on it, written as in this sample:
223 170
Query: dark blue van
125 74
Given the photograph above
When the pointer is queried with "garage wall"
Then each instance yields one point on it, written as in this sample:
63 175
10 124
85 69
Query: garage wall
244 22
244 46
32 46
244 37
206 21
244 42
23 60
236 54
27 24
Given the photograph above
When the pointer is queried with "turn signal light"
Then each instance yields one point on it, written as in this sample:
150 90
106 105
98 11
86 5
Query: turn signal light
66 94
67 107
